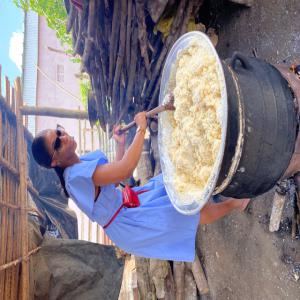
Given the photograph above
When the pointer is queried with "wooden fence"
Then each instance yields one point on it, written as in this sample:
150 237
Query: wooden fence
14 187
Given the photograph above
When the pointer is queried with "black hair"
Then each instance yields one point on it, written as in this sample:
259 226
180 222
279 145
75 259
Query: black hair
42 157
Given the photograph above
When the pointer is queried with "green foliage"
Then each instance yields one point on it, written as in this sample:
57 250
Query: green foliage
85 87
55 13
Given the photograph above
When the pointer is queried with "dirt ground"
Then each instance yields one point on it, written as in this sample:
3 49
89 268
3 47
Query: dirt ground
242 259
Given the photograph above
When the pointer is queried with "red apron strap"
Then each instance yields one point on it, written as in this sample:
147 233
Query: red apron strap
113 217
116 213
141 192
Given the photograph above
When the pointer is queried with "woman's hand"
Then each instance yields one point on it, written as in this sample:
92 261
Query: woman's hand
141 120
119 138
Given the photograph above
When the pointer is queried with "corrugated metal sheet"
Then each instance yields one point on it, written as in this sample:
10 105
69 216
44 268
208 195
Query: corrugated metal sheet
30 58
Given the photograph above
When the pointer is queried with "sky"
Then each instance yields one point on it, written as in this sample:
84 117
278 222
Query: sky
11 40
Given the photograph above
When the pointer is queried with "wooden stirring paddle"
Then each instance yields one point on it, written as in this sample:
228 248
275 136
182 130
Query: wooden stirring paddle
168 104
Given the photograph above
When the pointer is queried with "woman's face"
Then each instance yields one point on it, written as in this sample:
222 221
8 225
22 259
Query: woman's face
60 144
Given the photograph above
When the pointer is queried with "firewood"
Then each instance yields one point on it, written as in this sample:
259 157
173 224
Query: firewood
114 43
89 41
160 272
132 72
179 272
100 108
156 9
122 95
192 5
142 34
107 21
277 210
67 5
146 289
101 44
71 18
154 100
78 47
190 287
128 32
169 41
199 275
120 60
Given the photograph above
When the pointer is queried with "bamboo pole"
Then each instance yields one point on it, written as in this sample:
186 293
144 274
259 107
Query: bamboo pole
22 154
2 210
6 165
9 248
4 225
7 90
53 112
13 100
0 83
15 252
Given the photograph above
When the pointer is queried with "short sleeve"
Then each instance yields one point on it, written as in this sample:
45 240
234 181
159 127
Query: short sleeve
80 185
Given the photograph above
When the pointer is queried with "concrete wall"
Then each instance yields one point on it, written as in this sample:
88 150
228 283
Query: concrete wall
59 71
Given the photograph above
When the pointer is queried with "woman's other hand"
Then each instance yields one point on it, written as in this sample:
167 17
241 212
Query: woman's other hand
119 138
141 120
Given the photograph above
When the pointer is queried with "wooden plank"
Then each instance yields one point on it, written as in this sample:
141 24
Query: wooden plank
22 155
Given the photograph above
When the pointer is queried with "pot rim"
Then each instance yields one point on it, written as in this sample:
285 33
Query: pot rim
196 200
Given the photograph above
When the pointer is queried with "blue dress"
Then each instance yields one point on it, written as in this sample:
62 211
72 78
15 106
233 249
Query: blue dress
155 229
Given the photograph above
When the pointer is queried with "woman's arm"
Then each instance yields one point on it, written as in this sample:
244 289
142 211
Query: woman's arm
122 169
120 143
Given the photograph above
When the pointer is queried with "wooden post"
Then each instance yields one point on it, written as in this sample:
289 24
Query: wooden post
53 112
22 154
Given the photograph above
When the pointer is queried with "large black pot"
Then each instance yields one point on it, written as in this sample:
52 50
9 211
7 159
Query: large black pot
261 127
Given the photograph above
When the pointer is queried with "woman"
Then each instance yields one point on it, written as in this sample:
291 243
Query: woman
154 229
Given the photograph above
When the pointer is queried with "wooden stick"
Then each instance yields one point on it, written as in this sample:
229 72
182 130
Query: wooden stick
71 18
120 60
113 43
89 41
132 72
179 271
78 47
199 275
142 34
174 32
277 210
128 33
190 288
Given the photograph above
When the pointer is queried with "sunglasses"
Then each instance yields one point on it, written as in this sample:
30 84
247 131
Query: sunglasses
57 143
